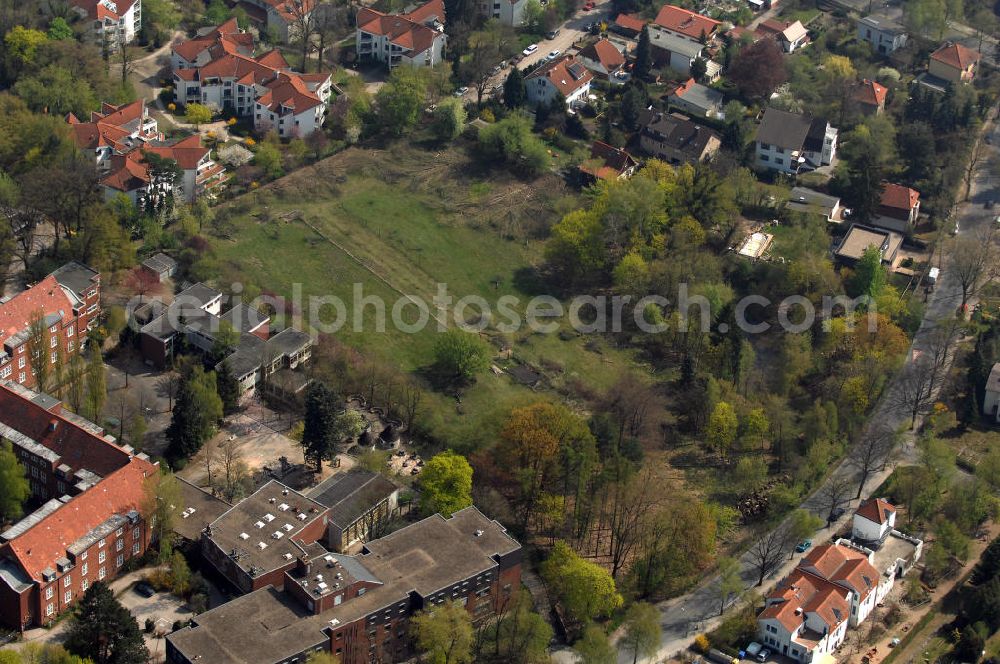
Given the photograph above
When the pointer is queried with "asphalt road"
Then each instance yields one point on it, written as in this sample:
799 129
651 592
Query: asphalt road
696 612
569 33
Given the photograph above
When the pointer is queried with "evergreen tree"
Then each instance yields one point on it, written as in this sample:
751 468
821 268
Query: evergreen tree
514 92
989 563
103 630
319 438
864 178
229 389
643 55
197 410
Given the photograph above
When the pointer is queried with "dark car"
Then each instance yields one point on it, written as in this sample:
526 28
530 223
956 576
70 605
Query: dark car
144 589
836 513
552 34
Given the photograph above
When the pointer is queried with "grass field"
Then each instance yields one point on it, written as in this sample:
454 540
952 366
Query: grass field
400 222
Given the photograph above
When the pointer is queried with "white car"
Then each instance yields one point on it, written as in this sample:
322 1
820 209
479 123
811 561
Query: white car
554 54
531 49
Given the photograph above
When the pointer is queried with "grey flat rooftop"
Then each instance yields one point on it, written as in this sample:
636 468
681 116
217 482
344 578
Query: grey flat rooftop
350 495
25 524
12 575
892 549
75 276
207 508
674 43
244 318
859 238
258 519
288 341
199 293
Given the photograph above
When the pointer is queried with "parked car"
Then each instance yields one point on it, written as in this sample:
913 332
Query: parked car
530 49
143 588
554 54
803 546
754 648
461 91
552 34
495 70
836 513
763 655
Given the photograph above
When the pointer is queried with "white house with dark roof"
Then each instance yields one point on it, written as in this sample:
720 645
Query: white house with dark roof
884 34
566 76
793 143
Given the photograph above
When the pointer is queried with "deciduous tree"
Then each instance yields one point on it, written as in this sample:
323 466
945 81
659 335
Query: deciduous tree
642 631
446 484
14 487
758 69
584 589
444 634
460 355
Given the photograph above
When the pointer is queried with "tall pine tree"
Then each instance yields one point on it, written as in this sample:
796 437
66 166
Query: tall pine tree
319 436
104 631
514 92
197 410
229 389
643 55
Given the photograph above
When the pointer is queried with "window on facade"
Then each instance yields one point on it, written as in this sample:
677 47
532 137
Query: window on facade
68 597
779 161
119 545
21 362
67 580
69 331
100 574
135 549
84 585
120 560
83 570
49 610
6 371
100 543
21 377
53 340
135 533
49 592
52 357
101 558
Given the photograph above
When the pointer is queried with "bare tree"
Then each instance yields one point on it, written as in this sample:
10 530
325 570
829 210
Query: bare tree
38 349
331 22
303 25
871 452
211 452
233 467
23 224
487 47
631 500
167 387
412 396
835 492
126 60
973 262
917 384
767 552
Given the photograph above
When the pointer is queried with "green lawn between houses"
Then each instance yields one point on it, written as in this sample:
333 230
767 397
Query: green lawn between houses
417 228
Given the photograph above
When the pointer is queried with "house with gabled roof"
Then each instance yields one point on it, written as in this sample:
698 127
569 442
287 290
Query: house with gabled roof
414 39
899 208
869 97
566 76
89 521
697 99
113 22
686 23
789 35
219 69
608 163
603 58
628 25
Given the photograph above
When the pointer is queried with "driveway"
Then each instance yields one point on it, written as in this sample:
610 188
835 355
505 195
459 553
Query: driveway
697 611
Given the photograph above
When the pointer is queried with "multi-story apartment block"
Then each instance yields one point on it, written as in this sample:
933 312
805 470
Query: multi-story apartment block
121 137
508 12
88 522
416 39
219 70
113 22
358 607
67 302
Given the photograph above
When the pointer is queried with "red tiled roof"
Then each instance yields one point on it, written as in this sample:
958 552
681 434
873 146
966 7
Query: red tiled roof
46 541
282 7
427 11
273 58
630 22
105 128
877 510
606 53
46 296
400 29
870 93
187 152
76 447
614 157
227 35
842 563
811 594
956 55
97 10
559 73
685 22
288 92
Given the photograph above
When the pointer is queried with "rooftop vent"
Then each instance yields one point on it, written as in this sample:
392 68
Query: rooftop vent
261 545
479 533
301 516
272 500
269 518
284 492
287 556
283 507
288 527
259 524
244 536
277 535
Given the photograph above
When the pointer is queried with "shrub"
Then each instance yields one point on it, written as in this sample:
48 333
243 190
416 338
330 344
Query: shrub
149 625
171 106
701 643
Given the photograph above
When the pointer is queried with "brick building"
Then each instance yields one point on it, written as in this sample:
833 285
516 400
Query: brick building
69 303
88 522
357 607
